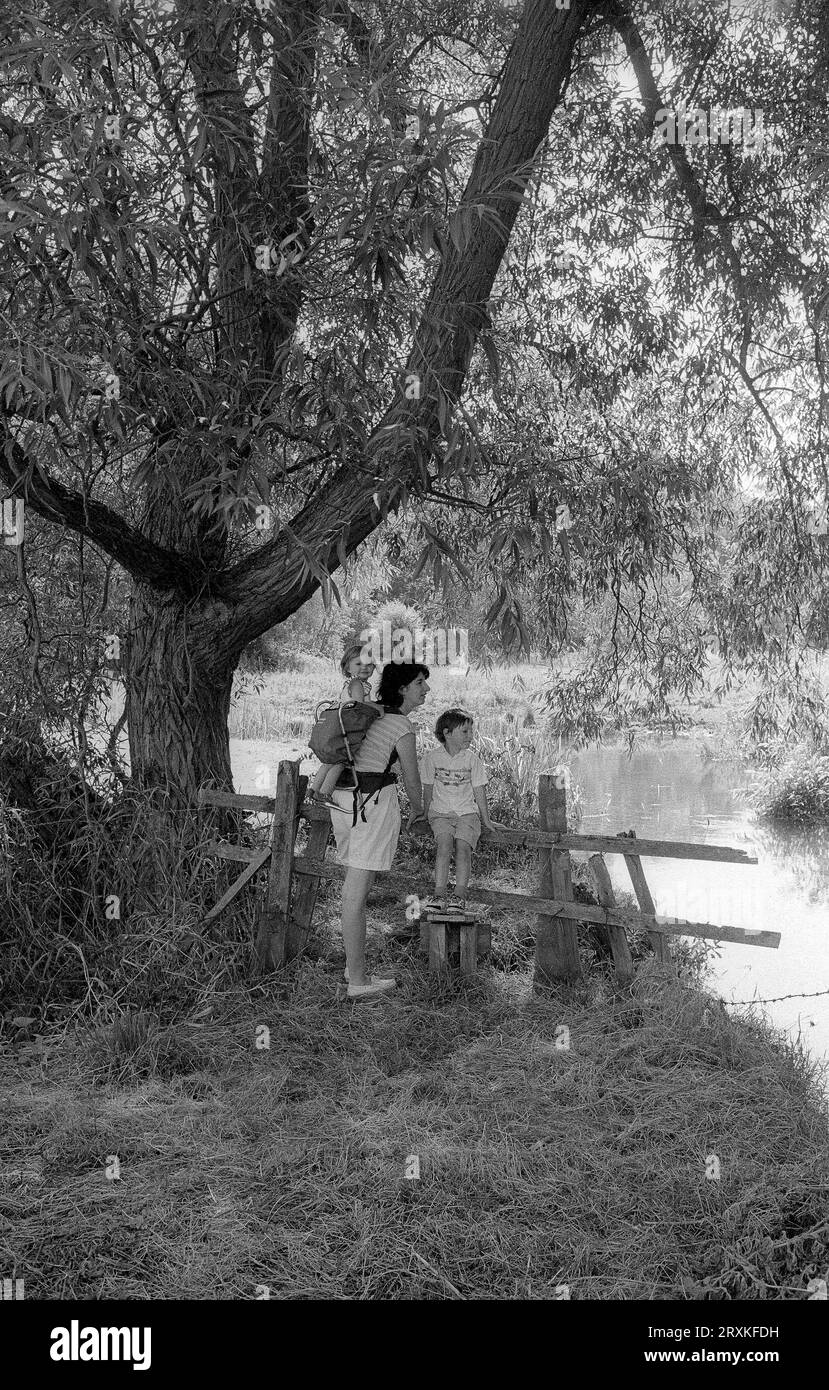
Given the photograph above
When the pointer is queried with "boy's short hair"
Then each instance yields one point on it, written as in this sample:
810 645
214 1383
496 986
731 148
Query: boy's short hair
449 720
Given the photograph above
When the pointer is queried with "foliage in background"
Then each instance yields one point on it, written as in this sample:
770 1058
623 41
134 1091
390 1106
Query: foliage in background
651 338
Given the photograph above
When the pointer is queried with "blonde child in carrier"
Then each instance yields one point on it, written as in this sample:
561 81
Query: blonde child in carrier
358 673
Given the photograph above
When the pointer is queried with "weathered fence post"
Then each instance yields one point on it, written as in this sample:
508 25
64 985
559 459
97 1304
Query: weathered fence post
617 936
305 897
276 938
643 896
556 938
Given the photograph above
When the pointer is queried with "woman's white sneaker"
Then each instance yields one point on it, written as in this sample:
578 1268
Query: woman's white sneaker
378 985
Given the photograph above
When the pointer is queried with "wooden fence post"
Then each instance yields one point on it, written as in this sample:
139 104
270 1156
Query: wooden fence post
643 896
556 938
305 897
276 938
617 936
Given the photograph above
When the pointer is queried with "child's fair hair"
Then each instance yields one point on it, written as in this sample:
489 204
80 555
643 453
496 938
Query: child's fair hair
449 720
351 652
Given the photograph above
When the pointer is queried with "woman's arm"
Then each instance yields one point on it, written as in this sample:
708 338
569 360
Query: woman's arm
407 753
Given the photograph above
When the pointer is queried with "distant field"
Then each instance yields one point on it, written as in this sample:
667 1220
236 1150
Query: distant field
283 706
501 700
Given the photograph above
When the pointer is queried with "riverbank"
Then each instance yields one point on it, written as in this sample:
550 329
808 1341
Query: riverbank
264 1141
258 1137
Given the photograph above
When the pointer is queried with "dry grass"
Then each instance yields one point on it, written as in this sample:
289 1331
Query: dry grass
245 1166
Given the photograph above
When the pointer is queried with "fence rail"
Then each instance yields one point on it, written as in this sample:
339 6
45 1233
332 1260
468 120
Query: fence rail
293 881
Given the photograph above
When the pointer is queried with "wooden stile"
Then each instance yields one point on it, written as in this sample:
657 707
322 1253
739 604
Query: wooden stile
469 947
438 953
552 907
280 927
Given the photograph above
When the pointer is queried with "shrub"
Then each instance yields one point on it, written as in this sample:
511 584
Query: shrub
103 898
796 791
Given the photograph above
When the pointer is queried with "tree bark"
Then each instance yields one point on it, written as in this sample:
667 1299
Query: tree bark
178 699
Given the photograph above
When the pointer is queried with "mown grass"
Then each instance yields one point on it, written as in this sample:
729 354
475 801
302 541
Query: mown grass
243 1167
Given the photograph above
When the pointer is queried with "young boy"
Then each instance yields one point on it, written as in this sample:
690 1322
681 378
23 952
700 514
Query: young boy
454 797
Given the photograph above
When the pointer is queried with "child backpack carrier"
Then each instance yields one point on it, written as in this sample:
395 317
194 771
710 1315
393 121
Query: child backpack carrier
338 733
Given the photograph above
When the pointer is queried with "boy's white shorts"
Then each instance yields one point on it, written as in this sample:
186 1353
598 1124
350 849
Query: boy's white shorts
371 844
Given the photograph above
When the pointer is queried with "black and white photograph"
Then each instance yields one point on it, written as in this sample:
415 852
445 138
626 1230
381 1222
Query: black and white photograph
414 670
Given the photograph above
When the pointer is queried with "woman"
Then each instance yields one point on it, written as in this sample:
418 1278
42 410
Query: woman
367 831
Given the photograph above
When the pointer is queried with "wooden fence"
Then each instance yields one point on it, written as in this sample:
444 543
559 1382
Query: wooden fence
293 881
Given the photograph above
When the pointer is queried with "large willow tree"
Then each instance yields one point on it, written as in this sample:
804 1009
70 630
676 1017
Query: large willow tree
256 294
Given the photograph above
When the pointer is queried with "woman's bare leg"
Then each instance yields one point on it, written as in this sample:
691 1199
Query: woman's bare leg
356 886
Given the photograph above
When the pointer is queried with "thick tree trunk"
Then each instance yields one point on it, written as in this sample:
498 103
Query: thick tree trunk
178 699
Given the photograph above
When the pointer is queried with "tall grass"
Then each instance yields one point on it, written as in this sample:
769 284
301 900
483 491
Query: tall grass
280 705
794 791
107 912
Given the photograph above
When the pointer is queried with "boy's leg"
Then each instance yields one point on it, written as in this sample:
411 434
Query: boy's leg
467 833
463 868
442 829
443 858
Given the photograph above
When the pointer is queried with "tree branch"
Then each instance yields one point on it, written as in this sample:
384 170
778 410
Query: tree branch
145 561
268 585
261 308
703 212
370 54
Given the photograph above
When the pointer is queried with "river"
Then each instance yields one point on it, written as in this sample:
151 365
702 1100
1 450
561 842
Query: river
665 790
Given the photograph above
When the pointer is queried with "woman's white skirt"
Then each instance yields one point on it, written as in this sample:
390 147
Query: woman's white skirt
370 844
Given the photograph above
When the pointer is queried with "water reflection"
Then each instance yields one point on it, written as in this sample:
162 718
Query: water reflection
666 790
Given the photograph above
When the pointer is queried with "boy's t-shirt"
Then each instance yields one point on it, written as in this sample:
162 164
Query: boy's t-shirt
452 779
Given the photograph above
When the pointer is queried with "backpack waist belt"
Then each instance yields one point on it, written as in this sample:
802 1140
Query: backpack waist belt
367 782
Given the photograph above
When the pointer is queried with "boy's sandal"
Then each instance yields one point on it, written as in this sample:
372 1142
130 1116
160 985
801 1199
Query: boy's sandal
456 909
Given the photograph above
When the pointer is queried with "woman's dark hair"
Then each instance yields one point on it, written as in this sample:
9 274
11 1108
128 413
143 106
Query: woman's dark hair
451 719
394 678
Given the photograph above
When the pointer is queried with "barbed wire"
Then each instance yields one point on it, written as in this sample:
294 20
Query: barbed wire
778 998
